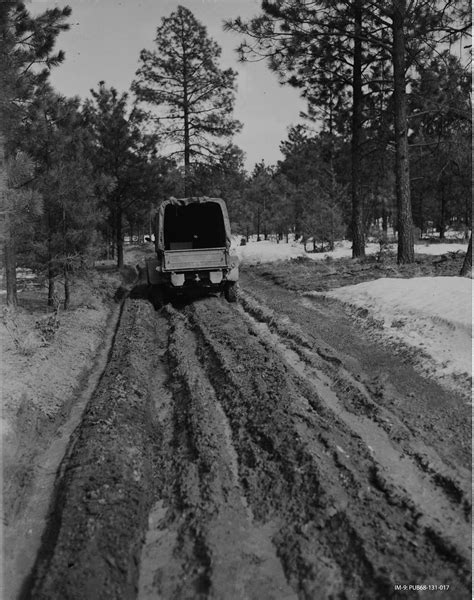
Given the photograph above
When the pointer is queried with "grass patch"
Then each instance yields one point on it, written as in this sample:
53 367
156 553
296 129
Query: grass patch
304 275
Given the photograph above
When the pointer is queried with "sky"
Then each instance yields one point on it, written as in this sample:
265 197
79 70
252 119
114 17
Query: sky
105 40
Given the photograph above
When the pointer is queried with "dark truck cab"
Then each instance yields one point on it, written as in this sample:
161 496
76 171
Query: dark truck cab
192 242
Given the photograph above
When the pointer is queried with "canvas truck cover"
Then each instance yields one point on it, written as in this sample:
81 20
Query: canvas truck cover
203 213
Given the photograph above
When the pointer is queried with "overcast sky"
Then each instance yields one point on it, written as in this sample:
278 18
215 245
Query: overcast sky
105 40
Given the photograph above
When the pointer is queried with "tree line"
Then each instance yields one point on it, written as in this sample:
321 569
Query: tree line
386 139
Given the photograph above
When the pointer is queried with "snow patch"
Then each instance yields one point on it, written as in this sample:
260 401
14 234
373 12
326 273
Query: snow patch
269 251
433 314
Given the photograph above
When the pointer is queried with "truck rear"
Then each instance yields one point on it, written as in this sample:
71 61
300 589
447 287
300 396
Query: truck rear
192 242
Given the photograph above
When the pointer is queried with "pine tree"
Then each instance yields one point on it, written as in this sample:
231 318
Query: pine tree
466 269
122 152
194 98
21 206
316 164
25 43
440 140
322 48
55 135
332 50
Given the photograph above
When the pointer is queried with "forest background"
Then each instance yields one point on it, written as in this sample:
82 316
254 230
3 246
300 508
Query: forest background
383 149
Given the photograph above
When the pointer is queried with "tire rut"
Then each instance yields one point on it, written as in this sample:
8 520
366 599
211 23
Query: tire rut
222 552
91 546
396 472
355 397
225 454
300 463
437 417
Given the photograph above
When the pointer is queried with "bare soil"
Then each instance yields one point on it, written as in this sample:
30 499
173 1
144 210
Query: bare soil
269 449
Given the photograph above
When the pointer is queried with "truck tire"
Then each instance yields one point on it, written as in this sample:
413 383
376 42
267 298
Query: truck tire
157 296
231 291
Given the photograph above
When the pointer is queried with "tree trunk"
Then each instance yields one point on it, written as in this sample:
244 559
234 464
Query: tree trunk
7 240
442 214
384 220
51 274
119 237
466 270
51 287
107 243
10 271
187 149
406 249
113 234
67 288
357 221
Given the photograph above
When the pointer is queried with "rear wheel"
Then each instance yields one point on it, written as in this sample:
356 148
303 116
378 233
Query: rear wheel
231 291
158 296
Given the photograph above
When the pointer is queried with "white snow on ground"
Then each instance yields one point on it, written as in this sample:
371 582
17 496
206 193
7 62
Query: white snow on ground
438 249
433 314
269 251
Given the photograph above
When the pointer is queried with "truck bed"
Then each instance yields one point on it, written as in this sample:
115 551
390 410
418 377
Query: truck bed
193 260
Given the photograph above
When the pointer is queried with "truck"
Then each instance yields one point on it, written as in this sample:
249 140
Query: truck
193 253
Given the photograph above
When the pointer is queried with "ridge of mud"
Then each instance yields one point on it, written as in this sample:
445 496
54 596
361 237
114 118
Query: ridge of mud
325 540
420 406
45 446
355 398
218 548
90 549
227 454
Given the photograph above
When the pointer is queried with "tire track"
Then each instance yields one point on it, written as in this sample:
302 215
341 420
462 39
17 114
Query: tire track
226 455
223 552
102 497
322 365
395 473
321 485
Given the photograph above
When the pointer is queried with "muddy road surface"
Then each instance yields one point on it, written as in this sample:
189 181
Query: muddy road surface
262 450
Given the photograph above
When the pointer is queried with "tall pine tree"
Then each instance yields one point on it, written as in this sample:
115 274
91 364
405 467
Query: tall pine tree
122 151
193 96
332 50
26 56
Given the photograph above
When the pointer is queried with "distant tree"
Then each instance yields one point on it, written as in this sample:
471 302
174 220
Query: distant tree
123 152
73 213
299 165
318 47
226 178
21 206
193 96
281 217
440 143
466 270
26 43
343 56
160 179
322 217
260 195
316 165
54 134
323 158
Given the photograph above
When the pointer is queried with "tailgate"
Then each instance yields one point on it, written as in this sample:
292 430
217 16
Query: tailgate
194 260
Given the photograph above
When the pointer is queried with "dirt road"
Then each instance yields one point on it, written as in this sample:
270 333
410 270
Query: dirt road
265 450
